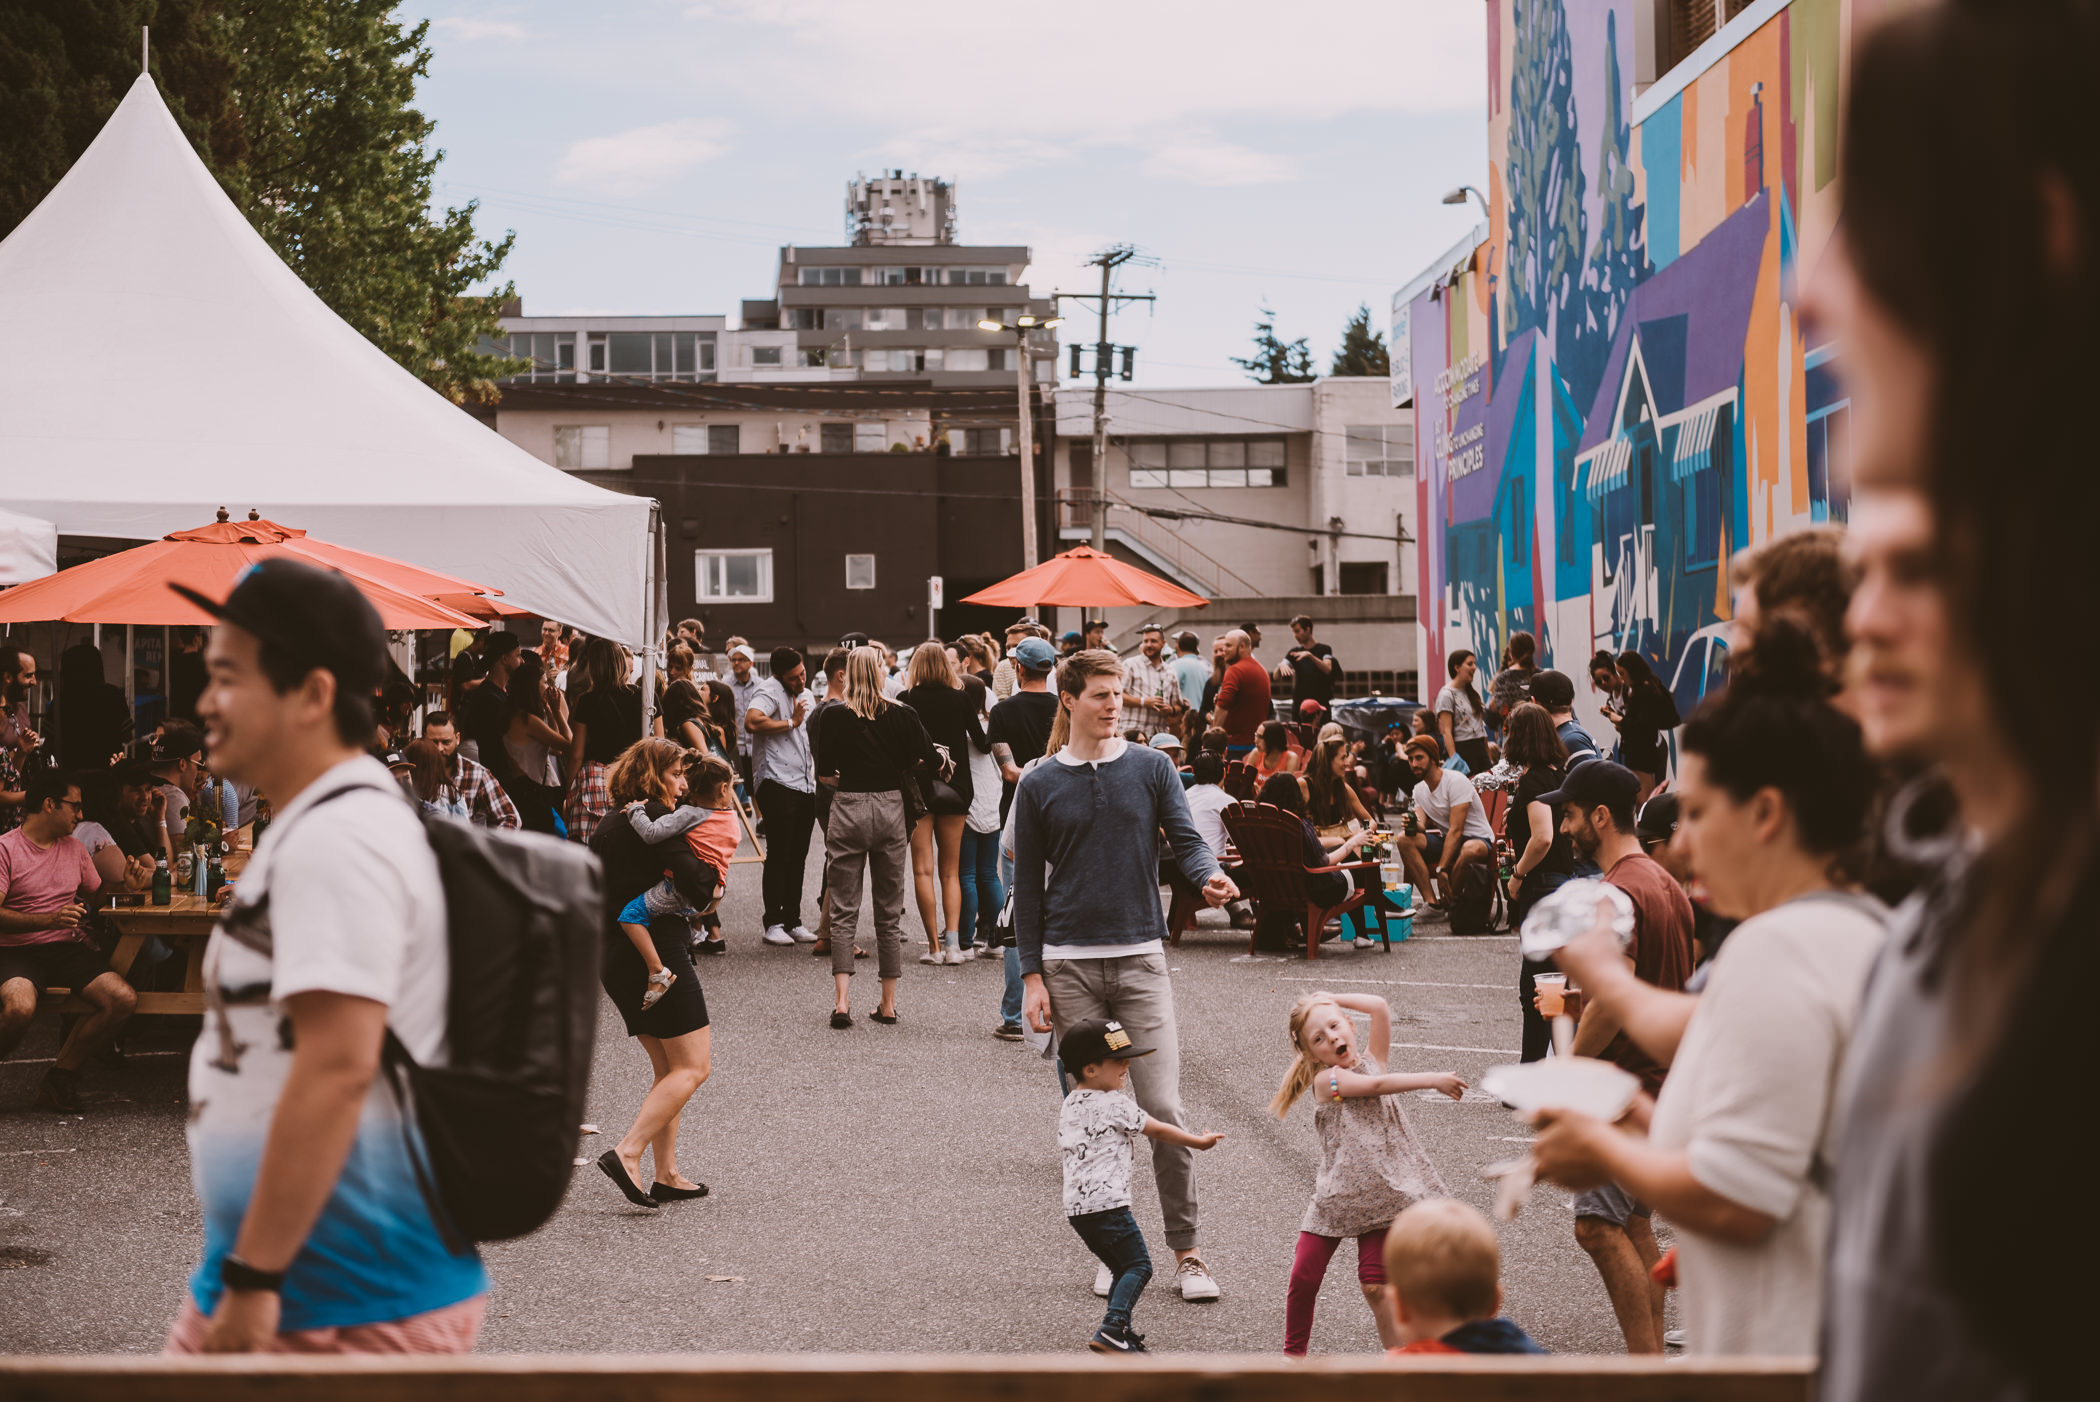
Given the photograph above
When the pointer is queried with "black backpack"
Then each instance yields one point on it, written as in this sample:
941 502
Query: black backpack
1475 898
523 923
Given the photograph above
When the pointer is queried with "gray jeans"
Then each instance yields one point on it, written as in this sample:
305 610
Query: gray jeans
1135 990
867 827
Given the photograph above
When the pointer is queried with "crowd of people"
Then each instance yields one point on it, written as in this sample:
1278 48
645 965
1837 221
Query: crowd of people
1856 878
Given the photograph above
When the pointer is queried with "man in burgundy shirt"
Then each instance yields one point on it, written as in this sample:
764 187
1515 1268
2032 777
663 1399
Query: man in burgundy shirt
1243 696
1596 807
46 882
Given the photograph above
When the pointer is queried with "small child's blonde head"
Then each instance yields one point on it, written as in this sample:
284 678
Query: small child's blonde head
1304 1066
1442 1259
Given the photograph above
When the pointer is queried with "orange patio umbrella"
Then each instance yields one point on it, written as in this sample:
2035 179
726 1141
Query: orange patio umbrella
132 586
1086 578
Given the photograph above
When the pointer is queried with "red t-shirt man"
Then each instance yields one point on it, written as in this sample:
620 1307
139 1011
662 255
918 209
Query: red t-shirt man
1243 701
1661 953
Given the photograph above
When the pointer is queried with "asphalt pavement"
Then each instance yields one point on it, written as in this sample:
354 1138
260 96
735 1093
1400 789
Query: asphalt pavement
874 1189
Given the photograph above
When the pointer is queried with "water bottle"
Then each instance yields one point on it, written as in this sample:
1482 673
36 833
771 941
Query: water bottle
163 887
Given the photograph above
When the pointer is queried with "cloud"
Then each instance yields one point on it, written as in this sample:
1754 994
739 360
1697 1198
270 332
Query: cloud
1202 160
641 157
467 29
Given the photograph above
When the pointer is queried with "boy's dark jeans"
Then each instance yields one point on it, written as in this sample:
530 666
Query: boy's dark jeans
1114 1237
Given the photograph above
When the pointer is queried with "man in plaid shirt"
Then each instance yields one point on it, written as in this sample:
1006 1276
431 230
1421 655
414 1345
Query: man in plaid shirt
1151 695
486 802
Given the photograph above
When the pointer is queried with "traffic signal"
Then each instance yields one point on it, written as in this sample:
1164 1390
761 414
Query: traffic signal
1075 360
1129 361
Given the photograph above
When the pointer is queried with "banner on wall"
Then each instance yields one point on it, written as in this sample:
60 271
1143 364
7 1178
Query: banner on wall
1400 362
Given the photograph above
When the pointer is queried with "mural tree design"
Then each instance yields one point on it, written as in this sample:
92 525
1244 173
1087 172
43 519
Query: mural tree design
1620 257
1548 226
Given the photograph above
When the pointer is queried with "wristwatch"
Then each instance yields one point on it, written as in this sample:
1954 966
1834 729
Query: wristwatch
236 1274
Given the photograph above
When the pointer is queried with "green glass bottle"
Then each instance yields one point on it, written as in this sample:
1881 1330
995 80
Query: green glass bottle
163 885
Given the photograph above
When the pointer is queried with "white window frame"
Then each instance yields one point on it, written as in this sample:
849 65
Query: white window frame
589 441
772 354
870 559
871 438
702 592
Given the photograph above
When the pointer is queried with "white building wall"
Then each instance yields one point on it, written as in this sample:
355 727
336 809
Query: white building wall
1381 506
648 432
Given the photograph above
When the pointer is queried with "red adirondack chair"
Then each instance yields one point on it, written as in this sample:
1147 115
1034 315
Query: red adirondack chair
1240 779
1272 870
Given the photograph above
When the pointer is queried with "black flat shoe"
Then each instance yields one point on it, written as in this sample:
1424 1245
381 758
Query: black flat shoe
841 1021
887 1021
609 1162
664 1192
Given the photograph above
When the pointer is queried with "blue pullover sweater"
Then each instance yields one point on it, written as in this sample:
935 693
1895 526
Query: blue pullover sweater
1097 828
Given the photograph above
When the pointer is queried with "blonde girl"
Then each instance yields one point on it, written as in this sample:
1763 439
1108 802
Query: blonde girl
1371 1165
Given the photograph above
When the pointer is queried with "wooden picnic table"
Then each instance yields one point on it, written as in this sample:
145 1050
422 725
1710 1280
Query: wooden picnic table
186 923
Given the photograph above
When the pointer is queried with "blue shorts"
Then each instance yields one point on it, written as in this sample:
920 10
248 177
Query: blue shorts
1432 847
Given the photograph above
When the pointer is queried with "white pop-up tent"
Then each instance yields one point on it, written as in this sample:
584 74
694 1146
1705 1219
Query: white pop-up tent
158 361
28 548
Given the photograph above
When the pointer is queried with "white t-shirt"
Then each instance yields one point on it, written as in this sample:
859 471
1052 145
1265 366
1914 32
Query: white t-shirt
1094 1133
1207 805
93 836
1749 1101
351 904
1466 722
1452 790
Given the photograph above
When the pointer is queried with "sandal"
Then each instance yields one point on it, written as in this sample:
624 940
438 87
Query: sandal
841 1021
659 984
886 1021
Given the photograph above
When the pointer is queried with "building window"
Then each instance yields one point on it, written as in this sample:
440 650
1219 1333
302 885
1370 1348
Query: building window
967 358
1362 577
804 319
886 319
997 359
831 277
733 576
582 446
1378 450
976 277
552 353
688 440
641 355
1206 462
871 438
986 442
860 571
762 356
813 357
902 277
835 438
725 438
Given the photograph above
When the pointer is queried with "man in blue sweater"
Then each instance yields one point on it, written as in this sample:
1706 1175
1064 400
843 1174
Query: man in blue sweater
1087 920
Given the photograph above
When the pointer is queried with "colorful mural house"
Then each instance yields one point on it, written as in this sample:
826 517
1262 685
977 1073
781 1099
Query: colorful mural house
1612 391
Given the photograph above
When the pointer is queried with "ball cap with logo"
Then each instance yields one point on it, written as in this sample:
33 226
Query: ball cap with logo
1096 1040
315 617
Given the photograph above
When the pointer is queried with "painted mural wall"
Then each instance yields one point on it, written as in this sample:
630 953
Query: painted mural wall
1612 390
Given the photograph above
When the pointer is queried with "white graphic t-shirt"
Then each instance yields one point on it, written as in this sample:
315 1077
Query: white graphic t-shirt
1094 1133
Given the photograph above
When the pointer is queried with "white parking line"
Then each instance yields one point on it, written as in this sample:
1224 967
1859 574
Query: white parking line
1432 1046
1398 982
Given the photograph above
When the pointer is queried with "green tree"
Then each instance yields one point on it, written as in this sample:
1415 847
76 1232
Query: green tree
304 113
1276 362
1363 350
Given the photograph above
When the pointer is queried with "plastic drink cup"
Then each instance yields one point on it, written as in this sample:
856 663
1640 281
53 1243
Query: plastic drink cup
1552 991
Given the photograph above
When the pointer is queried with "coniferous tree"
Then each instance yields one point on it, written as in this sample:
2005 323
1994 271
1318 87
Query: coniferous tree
1362 350
1275 361
303 112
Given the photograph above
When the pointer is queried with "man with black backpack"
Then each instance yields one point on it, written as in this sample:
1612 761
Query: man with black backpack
317 1234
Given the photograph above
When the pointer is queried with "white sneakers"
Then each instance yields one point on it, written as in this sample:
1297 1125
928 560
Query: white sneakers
801 936
1366 942
777 934
1194 1278
1196 1282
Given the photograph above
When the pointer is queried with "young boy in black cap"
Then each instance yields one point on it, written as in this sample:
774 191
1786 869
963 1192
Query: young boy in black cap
1094 1134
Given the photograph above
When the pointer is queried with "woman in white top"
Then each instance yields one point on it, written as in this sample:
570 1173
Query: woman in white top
1774 794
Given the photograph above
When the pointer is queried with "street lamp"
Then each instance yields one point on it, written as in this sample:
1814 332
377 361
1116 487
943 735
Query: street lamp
1458 196
1020 327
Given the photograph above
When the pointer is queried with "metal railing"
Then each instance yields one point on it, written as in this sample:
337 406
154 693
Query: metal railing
1075 510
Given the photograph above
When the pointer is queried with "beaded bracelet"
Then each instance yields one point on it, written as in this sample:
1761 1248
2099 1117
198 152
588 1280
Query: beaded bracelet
1334 1085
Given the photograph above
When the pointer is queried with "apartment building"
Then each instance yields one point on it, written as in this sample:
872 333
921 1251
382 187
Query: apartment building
1269 500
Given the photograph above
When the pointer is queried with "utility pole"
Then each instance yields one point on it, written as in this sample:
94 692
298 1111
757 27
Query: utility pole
1028 555
1108 260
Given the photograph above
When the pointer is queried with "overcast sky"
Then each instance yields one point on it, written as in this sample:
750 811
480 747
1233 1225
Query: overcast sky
654 154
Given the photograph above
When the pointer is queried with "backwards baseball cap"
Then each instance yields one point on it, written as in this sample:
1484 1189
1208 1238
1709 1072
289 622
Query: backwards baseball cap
1034 654
1552 689
1074 638
1596 784
178 740
315 617
1022 624
1096 1040
740 650
1658 819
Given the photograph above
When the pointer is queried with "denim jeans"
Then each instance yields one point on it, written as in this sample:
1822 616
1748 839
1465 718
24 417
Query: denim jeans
1113 1236
982 894
1010 1000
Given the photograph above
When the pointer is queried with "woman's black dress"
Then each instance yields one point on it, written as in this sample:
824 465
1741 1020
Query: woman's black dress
1650 710
950 717
632 866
